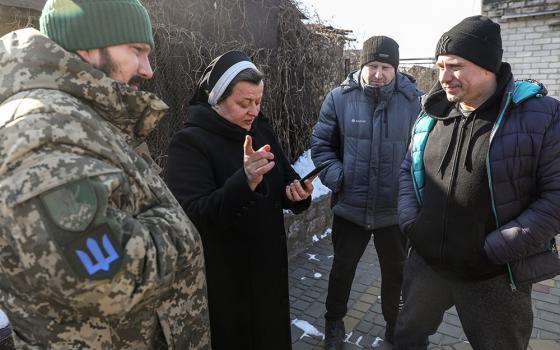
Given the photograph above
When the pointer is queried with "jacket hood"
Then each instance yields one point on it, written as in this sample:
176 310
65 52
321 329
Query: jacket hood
30 60
436 104
403 83
526 89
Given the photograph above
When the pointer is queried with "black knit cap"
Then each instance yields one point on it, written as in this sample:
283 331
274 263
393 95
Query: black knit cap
476 39
380 49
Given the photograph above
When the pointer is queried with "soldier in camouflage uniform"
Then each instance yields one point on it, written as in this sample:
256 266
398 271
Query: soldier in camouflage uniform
94 250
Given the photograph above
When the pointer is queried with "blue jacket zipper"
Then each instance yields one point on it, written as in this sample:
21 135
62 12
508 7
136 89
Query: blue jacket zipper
493 200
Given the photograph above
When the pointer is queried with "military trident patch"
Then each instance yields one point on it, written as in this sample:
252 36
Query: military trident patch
102 262
96 254
88 245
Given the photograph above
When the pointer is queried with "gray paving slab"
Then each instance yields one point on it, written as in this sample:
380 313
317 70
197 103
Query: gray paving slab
365 326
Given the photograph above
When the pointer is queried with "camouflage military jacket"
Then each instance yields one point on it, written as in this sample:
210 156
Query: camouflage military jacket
94 250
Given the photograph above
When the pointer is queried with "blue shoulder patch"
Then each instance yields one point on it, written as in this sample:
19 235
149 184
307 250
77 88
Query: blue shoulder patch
95 255
74 217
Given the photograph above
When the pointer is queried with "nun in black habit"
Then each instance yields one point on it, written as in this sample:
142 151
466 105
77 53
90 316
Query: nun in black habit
227 170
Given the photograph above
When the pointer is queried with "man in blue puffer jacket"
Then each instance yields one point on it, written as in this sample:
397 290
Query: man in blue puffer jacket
479 196
363 130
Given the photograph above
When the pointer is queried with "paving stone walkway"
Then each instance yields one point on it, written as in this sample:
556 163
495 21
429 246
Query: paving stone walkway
309 272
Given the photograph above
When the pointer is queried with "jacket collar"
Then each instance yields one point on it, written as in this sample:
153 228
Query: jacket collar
403 83
204 116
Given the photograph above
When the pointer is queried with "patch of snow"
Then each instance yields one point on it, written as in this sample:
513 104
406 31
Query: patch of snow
317 275
316 239
357 343
304 165
312 257
327 232
330 256
303 278
307 328
377 342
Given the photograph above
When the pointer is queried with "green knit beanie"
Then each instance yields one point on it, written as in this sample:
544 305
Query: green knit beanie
92 24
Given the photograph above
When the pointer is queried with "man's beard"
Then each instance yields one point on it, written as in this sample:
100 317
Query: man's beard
109 67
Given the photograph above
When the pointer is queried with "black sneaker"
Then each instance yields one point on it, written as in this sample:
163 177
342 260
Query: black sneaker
334 334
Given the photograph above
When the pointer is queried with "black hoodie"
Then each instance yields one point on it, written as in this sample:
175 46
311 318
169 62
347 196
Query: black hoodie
456 213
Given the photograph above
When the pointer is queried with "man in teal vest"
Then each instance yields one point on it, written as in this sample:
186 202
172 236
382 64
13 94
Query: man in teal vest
479 196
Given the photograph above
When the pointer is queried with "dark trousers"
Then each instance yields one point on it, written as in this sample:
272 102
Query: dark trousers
349 243
493 316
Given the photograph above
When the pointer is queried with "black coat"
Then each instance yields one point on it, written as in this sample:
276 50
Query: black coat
242 231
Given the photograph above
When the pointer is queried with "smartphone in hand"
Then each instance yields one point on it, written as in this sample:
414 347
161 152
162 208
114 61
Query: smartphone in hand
314 172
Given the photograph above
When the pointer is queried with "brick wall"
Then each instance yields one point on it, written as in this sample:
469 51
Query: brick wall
531 38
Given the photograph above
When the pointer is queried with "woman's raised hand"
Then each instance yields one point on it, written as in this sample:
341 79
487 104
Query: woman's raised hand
256 163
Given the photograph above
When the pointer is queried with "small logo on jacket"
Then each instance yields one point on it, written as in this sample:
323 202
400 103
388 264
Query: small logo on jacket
358 121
